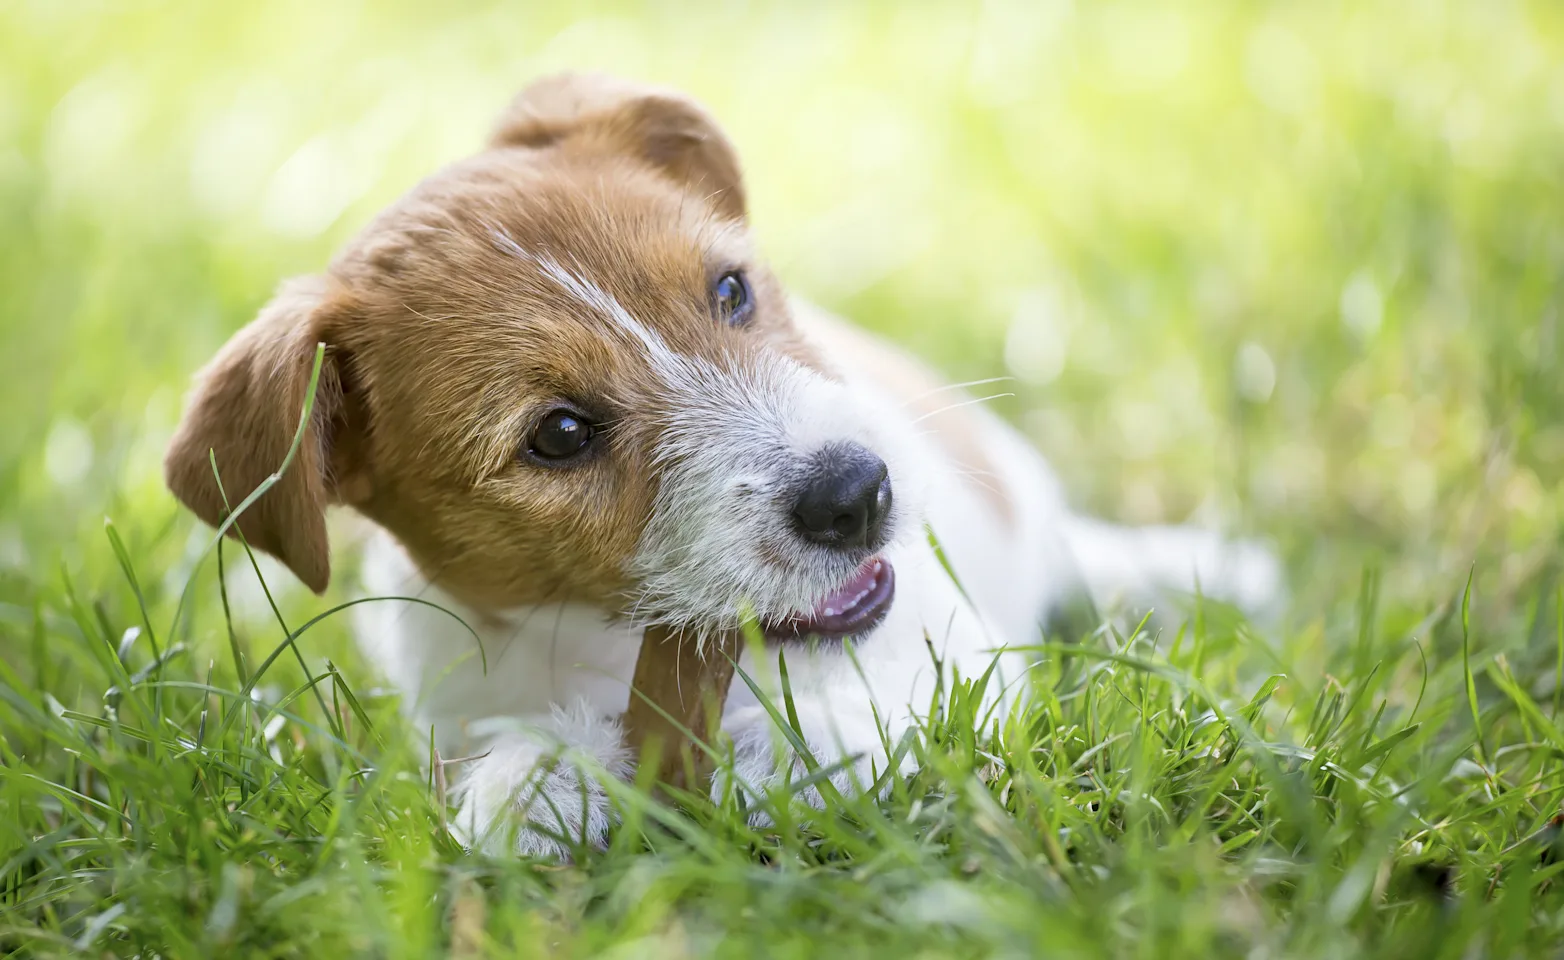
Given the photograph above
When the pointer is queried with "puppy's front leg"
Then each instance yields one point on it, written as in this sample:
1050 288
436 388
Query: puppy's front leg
537 788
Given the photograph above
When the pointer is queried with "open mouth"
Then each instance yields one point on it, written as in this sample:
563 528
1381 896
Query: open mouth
854 608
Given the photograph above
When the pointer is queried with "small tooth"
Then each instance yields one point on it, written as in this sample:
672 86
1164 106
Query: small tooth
830 612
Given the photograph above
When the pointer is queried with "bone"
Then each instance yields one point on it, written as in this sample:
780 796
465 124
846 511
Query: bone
690 686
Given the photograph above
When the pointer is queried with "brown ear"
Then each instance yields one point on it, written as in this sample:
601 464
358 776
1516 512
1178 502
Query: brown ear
245 411
664 128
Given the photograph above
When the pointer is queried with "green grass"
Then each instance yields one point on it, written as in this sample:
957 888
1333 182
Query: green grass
1129 808
1289 268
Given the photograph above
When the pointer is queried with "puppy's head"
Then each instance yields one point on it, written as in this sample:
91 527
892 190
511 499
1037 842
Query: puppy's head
557 372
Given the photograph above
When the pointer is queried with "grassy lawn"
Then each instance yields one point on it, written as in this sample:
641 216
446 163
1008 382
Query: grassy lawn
1294 270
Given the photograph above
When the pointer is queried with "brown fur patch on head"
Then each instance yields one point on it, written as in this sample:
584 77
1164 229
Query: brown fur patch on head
482 301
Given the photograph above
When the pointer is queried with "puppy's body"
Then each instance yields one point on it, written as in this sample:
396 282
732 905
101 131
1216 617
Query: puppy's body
558 675
574 403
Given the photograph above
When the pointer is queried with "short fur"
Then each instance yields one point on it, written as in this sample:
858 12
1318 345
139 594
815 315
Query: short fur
571 263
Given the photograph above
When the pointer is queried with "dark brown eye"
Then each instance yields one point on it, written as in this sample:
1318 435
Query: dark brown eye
559 435
732 299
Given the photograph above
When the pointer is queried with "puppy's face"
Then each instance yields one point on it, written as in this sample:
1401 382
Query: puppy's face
557 372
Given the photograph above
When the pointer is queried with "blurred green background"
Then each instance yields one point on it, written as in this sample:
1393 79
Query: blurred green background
1292 268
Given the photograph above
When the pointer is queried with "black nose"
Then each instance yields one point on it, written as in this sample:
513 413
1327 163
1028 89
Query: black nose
845 502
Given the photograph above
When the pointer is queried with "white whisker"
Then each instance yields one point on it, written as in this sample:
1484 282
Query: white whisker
955 386
963 403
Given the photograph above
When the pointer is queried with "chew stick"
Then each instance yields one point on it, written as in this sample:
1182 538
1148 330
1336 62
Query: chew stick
691 688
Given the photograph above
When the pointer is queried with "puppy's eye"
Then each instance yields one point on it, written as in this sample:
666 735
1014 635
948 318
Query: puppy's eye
731 298
559 435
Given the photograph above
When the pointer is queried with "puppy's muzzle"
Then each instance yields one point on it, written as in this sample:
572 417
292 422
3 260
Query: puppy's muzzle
845 500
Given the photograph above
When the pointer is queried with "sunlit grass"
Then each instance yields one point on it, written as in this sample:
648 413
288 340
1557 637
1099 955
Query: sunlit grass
1149 797
1291 269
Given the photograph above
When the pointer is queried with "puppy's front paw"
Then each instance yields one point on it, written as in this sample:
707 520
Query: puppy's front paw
536 795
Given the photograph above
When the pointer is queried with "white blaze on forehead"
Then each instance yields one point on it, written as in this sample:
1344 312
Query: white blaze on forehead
605 303
590 295
769 395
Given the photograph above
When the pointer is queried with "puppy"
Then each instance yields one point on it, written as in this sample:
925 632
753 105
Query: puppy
573 401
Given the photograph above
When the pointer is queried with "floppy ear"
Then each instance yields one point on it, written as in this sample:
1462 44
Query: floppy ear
245 410
661 127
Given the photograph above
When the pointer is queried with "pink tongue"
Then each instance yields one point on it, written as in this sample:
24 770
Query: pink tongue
850 593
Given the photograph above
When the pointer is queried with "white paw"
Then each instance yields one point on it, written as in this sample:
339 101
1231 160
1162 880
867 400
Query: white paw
539 792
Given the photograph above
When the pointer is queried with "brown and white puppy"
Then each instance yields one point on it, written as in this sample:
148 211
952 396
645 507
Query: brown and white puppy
575 402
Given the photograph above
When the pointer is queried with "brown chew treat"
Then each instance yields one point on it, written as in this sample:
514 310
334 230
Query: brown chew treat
690 687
